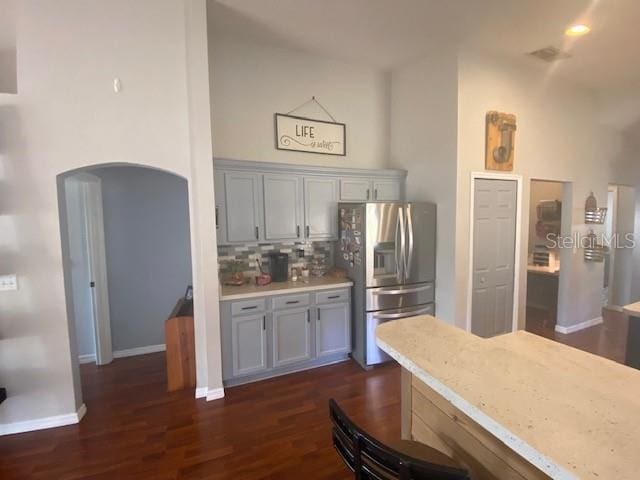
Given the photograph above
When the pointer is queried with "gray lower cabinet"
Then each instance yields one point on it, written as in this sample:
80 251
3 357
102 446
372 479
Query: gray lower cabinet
248 344
333 329
272 335
291 336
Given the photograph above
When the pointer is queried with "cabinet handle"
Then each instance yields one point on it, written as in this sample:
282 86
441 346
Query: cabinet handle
308 316
217 222
318 314
253 307
264 322
367 194
257 233
292 302
308 230
333 296
298 231
375 194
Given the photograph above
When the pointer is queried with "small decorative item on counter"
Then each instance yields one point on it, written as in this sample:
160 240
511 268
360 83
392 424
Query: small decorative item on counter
318 268
305 272
294 274
236 277
337 272
262 278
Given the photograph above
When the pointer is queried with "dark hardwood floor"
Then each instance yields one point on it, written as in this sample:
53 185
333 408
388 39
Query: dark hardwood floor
609 339
274 429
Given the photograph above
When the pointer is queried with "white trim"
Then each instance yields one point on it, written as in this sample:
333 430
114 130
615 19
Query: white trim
215 394
131 352
516 261
201 392
579 326
88 358
42 423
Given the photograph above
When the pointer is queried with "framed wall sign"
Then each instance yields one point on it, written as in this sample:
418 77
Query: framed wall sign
300 134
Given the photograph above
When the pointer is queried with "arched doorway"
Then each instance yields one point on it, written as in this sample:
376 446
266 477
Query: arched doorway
127 260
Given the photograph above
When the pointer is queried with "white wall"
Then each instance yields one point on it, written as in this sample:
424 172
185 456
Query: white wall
66 116
251 82
558 138
424 97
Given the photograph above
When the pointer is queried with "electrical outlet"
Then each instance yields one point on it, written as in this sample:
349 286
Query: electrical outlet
8 282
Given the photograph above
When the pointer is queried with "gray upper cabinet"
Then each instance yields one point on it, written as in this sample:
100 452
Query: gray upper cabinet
321 208
269 202
355 190
387 191
283 217
249 344
333 329
291 336
243 206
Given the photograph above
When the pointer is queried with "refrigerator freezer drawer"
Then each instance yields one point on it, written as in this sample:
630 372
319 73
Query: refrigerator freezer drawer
400 296
374 354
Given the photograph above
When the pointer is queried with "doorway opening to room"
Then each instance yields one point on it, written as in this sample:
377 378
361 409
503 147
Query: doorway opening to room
618 258
127 263
547 221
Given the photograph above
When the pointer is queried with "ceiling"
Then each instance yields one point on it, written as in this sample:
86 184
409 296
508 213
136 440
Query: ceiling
389 33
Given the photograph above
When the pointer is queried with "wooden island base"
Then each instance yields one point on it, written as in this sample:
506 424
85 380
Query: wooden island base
430 419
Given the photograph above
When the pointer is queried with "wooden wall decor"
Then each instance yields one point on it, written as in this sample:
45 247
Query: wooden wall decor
501 133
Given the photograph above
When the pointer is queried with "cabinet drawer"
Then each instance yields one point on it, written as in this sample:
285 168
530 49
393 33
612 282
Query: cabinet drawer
254 305
332 296
290 301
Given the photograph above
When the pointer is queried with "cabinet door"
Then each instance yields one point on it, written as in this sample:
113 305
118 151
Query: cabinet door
386 190
333 329
221 219
249 344
282 207
355 190
321 208
291 336
243 206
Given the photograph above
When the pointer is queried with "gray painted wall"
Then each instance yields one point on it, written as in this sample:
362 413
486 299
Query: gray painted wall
146 224
79 267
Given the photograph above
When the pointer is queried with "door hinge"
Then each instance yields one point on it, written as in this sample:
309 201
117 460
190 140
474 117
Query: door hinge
92 284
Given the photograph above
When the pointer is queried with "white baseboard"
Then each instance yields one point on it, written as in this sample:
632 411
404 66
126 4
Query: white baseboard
201 392
130 352
88 358
42 423
579 326
215 394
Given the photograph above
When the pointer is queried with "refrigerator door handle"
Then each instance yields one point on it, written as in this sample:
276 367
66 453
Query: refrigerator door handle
400 291
399 254
392 316
401 261
407 267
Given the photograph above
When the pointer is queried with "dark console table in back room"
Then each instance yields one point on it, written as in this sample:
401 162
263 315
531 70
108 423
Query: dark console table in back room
633 336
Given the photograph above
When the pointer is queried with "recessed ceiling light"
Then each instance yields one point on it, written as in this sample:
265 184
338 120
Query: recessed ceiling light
577 30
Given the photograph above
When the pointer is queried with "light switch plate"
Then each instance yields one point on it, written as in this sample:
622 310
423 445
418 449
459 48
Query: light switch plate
8 282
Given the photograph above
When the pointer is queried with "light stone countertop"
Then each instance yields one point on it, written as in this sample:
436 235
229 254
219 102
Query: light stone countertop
633 309
570 413
229 292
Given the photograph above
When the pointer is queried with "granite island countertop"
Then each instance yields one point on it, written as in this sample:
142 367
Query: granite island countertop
570 413
633 309
307 284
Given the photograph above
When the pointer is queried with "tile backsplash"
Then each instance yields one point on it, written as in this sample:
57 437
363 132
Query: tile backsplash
248 255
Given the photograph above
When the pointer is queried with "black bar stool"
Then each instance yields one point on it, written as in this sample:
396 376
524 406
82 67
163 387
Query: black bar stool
371 460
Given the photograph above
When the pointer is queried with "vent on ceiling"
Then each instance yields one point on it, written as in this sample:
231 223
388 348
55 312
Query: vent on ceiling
550 54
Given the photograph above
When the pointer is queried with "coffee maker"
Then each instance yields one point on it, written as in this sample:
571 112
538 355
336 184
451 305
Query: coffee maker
279 266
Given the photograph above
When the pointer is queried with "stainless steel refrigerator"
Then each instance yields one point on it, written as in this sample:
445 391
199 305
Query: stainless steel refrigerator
388 250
